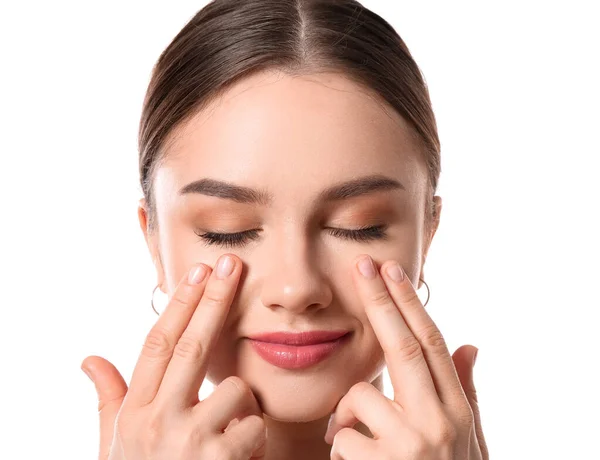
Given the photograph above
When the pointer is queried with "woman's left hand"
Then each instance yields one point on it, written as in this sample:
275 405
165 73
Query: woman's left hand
434 414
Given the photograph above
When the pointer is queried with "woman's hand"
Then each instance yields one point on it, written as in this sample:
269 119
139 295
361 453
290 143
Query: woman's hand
160 416
434 414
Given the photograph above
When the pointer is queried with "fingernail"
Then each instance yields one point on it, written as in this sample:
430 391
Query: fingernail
225 267
475 356
395 272
327 440
232 423
366 267
197 274
88 373
260 449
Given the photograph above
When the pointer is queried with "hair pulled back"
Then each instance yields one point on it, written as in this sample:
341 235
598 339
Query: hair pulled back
228 40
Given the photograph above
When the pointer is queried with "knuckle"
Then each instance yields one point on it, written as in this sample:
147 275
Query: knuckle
432 338
215 449
411 300
160 429
359 389
196 436
444 430
179 298
153 430
213 298
417 447
241 387
341 436
256 420
228 448
473 394
445 435
408 349
188 348
341 440
379 298
466 415
158 344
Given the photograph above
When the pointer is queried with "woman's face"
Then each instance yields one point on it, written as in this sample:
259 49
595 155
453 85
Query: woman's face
293 138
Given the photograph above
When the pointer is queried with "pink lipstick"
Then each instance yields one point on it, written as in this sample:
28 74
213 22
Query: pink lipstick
298 350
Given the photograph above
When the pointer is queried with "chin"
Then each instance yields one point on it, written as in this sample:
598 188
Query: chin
295 397
301 402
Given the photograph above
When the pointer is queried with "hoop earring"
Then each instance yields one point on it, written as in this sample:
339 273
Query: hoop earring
428 292
152 300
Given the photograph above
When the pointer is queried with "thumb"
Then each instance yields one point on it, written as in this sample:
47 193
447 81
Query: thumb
111 390
464 361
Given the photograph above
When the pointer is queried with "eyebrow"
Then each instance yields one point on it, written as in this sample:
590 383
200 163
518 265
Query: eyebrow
248 195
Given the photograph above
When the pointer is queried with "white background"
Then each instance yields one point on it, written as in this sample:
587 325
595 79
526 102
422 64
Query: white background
512 270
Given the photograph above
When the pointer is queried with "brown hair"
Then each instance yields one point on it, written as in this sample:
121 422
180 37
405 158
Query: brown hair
230 39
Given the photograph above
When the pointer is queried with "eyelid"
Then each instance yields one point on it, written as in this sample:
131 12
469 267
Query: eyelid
227 240
363 234
361 228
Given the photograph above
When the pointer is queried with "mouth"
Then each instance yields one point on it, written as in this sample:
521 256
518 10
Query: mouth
298 350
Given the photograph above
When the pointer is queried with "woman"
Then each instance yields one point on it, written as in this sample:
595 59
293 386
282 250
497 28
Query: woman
297 138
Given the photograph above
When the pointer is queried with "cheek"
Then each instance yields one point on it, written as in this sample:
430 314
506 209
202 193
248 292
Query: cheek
176 260
179 256
408 254
365 360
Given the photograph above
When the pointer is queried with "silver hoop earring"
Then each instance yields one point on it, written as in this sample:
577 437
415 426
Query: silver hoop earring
152 300
427 286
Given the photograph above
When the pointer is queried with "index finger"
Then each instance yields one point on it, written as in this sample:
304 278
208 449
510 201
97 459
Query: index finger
431 340
406 363
160 341
188 365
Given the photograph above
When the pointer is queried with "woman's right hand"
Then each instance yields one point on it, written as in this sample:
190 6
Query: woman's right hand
160 415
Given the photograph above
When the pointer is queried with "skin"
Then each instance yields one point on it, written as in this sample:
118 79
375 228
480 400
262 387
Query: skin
294 137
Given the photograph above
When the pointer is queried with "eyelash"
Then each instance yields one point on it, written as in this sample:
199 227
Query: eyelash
376 232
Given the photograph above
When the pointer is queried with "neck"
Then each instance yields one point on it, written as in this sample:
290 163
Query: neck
299 441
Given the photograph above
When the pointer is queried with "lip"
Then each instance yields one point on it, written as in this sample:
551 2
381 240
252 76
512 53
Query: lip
299 338
298 351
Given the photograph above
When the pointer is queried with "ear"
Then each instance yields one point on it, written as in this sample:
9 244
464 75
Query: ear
152 242
437 203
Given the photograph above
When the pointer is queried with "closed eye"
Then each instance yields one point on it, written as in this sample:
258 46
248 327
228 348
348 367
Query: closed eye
230 240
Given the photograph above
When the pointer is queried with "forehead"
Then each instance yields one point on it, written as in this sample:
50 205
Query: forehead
292 135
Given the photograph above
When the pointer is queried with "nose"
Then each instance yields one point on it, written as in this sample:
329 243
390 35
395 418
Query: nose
293 279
